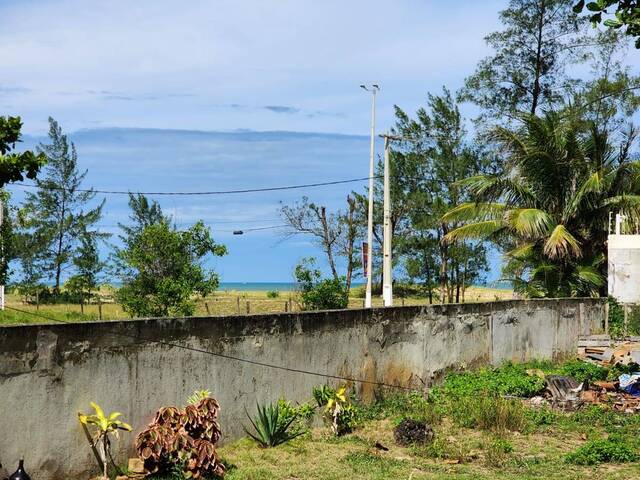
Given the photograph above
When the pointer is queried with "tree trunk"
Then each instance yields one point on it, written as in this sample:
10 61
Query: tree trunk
327 244
535 94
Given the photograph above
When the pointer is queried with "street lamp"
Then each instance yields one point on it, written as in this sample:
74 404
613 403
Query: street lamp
373 89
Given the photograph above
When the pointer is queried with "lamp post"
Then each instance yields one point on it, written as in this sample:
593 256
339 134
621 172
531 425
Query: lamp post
374 90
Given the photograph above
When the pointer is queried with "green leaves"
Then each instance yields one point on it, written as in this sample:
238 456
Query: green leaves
163 270
15 166
270 428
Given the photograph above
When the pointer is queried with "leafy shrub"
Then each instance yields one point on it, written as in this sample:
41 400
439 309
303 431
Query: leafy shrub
583 370
318 294
273 294
340 413
509 379
616 318
301 414
610 450
410 431
541 416
183 440
487 412
271 426
322 394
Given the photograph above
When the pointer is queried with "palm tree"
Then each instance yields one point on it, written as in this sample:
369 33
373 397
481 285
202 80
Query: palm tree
551 205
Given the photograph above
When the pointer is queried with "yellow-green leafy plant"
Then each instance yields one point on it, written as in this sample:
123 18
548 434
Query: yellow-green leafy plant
339 412
103 426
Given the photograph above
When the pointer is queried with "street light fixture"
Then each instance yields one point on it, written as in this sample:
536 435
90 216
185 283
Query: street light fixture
373 89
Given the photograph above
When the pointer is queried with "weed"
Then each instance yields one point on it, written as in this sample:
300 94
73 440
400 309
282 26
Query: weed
497 452
610 450
273 294
582 371
491 413
444 449
270 426
542 416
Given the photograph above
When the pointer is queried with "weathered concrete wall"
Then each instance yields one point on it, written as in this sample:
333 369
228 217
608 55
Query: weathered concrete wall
50 372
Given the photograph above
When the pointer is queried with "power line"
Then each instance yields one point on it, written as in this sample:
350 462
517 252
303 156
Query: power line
212 192
228 357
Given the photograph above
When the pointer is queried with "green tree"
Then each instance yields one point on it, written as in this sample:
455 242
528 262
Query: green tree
164 270
552 202
617 14
434 160
58 214
144 213
15 166
317 293
528 69
89 268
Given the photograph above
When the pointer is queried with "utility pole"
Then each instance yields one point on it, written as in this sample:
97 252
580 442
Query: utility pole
373 89
2 252
387 261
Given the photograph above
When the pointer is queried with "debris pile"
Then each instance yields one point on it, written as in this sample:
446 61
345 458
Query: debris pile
621 393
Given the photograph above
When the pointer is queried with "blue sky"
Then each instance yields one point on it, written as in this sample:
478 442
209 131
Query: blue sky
138 84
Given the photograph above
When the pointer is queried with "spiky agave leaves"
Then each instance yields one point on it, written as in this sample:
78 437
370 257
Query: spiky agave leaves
270 428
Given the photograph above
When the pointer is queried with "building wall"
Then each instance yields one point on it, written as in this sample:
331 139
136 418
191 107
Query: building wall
624 268
50 372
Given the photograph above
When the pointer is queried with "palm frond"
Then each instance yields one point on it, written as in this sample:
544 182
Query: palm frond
471 211
561 244
530 222
474 231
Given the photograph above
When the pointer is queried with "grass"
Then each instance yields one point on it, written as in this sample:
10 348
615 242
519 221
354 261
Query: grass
477 436
219 303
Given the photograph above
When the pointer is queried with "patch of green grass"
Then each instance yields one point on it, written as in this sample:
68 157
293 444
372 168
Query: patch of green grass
509 379
399 406
365 463
497 452
614 449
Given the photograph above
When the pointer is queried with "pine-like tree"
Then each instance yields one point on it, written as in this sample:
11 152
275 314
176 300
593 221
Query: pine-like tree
59 213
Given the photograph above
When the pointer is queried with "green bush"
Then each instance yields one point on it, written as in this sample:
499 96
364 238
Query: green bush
319 294
509 379
610 450
582 371
273 294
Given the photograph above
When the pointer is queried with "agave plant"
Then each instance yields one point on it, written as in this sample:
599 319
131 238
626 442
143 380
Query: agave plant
104 426
552 203
271 427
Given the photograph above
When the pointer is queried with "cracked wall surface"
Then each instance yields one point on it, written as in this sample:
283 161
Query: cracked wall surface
50 372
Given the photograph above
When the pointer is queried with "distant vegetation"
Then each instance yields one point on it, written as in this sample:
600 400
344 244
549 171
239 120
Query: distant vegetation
549 156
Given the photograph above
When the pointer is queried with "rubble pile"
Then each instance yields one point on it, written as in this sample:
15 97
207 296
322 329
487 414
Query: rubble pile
621 394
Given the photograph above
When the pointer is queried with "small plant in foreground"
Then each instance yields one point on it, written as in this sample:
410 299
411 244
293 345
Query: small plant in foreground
183 440
497 452
610 450
270 426
340 412
104 426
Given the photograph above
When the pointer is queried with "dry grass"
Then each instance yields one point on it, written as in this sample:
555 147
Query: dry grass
457 453
219 303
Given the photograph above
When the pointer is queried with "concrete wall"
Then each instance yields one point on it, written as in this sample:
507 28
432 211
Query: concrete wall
50 372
